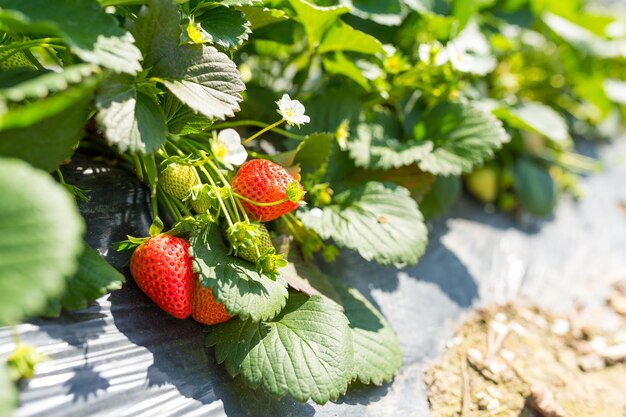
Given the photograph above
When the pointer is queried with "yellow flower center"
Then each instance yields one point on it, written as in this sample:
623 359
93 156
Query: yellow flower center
219 150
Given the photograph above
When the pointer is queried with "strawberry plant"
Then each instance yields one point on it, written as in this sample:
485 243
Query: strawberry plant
396 105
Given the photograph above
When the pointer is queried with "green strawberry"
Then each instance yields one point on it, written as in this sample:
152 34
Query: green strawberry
178 179
263 243
202 203
252 242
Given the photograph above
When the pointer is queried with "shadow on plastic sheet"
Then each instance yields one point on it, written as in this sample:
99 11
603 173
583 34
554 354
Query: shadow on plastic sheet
180 359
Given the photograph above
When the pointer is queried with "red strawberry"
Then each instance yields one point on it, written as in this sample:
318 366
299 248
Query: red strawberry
162 269
205 309
264 181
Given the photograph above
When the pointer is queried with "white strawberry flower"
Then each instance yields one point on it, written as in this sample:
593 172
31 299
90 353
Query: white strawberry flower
227 148
292 111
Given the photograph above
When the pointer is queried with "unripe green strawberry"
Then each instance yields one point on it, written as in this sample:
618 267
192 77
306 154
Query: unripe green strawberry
263 242
205 309
178 179
201 204
12 58
265 182
161 267
483 184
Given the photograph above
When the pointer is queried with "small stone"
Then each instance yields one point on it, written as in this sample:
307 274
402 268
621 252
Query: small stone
560 327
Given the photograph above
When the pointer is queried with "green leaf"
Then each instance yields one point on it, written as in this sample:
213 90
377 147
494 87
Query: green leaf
235 282
181 120
198 75
315 19
305 352
442 194
92 34
343 37
313 152
375 144
94 278
381 222
339 64
377 355
262 16
49 82
132 121
330 109
46 140
463 11
40 240
538 118
8 393
462 137
534 187
389 12
225 27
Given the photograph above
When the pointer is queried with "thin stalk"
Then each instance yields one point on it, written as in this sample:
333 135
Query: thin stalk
168 205
43 42
260 132
224 181
138 168
219 197
238 123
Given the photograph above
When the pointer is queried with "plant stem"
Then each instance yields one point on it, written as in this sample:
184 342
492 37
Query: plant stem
224 181
138 168
260 132
219 196
168 205
257 124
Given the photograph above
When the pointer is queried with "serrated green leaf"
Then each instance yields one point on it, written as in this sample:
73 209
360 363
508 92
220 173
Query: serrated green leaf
40 239
94 278
381 222
375 144
538 118
198 75
8 393
305 352
462 136
132 121
343 37
235 282
181 120
45 84
534 187
92 34
262 16
228 28
377 355
46 140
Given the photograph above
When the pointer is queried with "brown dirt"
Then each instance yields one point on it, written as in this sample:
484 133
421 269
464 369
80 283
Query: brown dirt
530 350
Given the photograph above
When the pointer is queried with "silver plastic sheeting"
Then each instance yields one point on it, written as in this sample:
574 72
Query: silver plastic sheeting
124 357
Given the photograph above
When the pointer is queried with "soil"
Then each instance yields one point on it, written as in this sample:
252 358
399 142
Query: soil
518 360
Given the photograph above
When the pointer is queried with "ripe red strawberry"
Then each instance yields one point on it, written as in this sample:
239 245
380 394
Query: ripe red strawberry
264 181
204 307
177 180
162 269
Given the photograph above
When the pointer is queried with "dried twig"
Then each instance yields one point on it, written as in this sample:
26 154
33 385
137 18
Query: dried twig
466 387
